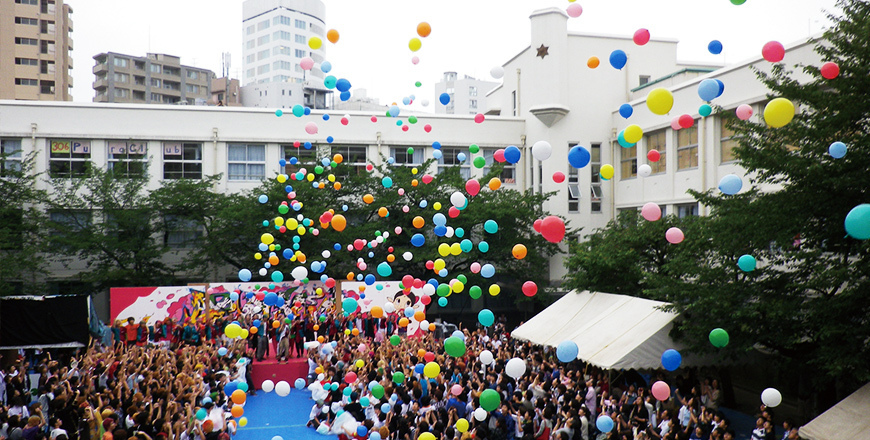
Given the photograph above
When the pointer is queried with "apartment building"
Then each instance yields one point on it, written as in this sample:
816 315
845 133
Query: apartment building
152 79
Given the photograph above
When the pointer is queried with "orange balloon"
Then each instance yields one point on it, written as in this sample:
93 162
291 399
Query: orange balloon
301 258
350 276
383 211
273 260
321 185
593 62
318 370
276 324
332 36
368 198
431 326
403 322
254 330
419 316
423 29
377 312
418 222
495 183
237 411
324 225
238 397
320 339
415 182
338 222
316 327
519 251
338 158
355 332
337 185
391 258
421 353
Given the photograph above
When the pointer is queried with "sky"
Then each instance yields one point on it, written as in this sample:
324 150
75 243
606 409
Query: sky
468 36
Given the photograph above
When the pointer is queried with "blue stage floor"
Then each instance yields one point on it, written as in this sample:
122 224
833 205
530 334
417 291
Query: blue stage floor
270 415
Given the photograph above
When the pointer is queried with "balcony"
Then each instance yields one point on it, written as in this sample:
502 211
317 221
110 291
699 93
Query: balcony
101 68
101 83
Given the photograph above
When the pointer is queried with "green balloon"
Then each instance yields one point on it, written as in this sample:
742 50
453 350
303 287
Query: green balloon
399 377
410 151
395 340
473 148
462 278
454 346
490 400
474 292
283 209
443 290
719 337
413 120
479 162
378 391
318 170
418 84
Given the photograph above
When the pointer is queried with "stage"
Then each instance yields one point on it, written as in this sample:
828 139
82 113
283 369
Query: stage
270 369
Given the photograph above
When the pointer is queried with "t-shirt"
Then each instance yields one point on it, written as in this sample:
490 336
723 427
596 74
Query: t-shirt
56 432
132 331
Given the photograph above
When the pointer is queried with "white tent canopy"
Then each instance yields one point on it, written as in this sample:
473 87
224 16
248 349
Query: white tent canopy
847 420
612 331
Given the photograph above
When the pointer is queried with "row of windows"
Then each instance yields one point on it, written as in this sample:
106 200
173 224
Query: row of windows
180 232
28 21
681 210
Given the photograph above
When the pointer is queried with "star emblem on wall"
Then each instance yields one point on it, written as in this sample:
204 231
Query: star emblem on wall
543 51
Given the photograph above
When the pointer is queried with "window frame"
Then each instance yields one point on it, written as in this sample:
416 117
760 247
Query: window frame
77 161
191 232
596 192
681 207
464 167
688 147
733 139
129 156
661 166
12 156
250 165
180 150
400 156
508 174
630 161
349 152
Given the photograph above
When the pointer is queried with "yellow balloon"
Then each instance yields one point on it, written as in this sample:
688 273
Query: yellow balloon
437 206
415 44
267 238
458 286
414 171
633 134
310 177
258 256
300 230
606 172
444 249
455 249
279 221
292 223
660 101
359 363
281 178
243 421
271 247
331 177
244 333
494 290
315 43
431 370
439 264
461 424
778 112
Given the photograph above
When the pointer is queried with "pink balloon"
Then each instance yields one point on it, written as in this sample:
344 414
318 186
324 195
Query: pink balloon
405 208
675 123
475 267
398 230
362 348
479 118
427 128
773 51
553 229
311 128
415 59
427 179
498 155
574 10
661 391
374 119
472 186
674 236
651 212
306 63
401 191
641 37
456 390
744 112
558 177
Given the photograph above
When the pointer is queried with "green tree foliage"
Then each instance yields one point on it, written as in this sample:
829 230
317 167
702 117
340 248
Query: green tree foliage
22 261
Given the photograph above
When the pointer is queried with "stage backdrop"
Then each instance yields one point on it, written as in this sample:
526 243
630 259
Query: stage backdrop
391 293
44 321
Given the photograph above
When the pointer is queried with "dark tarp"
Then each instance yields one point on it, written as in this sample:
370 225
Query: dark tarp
44 321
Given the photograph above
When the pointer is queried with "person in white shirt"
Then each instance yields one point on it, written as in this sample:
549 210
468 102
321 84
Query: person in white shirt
56 430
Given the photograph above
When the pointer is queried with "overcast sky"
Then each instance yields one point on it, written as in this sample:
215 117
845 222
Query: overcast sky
468 36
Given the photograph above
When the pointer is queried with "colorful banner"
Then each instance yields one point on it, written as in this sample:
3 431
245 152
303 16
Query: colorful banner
390 293
156 303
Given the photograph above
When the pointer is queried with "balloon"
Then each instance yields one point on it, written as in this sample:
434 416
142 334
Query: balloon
454 346
606 171
626 110
282 388
858 222
490 399
456 390
579 157
494 183
472 187
361 430
332 36
300 383
497 72
222 351
530 288
593 62
553 229
773 51
480 414
661 391
746 263
830 70
245 275
424 29
633 134
395 340
671 359
415 44
311 128
201 414
558 177
462 425
378 391
771 397
837 150
444 99
618 59
243 422
641 37
730 184
237 411
574 10
660 101
705 110
715 47
653 155
268 386
486 357
458 199
567 351
719 337
350 377
306 64
398 378
490 226
542 150
651 212
644 170
675 123
431 370
708 89
315 43
515 368
604 423
512 154
486 318
519 251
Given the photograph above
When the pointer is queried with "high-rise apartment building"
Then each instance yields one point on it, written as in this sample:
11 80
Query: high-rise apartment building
275 39
153 79
467 94
35 50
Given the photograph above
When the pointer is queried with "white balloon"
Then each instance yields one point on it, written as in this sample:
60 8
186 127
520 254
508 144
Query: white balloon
425 103
263 271
515 368
542 150
258 309
497 72
407 256
389 308
480 414
458 199
268 386
424 325
299 273
771 397
282 388
644 170
428 289
326 253
325 409
450 232
485 357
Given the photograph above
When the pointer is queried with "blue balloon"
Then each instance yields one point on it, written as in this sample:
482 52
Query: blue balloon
458 334
715 47
708 89
234 296
442 301
394 111
222 351
406 100
439 219
837 150
567 351
245 275
721 87
618 59
579 157
325 66
206 400
375 435
230 387
344 96
436 145
270 300
300 383
604 423
437 154
263 247
487 271
461 157
361 430
370 279
418 368
626 110
342 85
307 111
730 184
444 99
263 198
671 359
440 230
409 312
418 240
385 408
512 154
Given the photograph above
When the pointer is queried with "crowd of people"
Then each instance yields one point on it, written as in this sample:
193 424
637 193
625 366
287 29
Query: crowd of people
168 381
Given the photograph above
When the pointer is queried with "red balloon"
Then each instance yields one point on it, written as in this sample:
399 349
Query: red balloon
406 128
358 244
641 37
330 282
830 70
326 217
773 51
344 121
558 177
418 283
453 212
427 128
374 119
530 288
686 121
425 299
430 264
350 377
553 229
260 295
282 229
407 281
479 118
429 356
297 144
537 225
427 179
472 187
653 155
498 155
